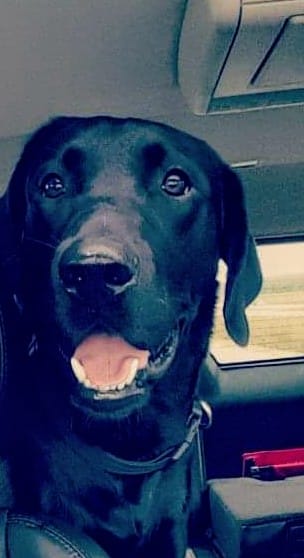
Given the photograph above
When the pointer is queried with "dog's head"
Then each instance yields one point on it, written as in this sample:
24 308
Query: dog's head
120 225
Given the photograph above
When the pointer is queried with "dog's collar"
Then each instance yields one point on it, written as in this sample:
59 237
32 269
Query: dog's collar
201 416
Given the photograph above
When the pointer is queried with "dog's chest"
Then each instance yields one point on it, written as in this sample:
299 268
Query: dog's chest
133 506
137 502
127 506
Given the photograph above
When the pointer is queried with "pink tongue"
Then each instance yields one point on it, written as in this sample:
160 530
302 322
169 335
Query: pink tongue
109 360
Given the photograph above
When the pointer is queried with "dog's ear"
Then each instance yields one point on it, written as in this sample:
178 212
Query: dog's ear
40 143
12 214
14 199
13 203
237 249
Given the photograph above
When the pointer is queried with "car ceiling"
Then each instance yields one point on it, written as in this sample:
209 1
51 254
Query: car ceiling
120 57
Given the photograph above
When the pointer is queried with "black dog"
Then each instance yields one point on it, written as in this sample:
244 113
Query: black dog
119 226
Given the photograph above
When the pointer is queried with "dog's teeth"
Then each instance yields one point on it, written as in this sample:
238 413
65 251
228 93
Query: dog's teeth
97 396
78 370
133 364
104 389
87 383
120 386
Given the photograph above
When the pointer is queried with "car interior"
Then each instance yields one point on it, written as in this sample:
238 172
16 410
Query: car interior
230 73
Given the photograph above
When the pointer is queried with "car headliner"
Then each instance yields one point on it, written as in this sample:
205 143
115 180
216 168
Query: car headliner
120 58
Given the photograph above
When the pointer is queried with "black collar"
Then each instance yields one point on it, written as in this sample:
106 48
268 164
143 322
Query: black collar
201 415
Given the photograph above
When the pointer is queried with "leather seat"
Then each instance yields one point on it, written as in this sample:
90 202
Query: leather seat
22 535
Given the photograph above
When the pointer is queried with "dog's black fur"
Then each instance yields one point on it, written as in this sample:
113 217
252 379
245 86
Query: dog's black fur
168 208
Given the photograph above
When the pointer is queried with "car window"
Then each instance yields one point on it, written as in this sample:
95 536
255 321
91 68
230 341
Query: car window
276 317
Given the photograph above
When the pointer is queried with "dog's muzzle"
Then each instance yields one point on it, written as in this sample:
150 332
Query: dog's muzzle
105 363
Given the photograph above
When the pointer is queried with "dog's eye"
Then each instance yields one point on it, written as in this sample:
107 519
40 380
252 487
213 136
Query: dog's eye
176 183
52 186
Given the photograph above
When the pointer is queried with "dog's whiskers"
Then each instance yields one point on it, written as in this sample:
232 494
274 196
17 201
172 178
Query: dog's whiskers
40 242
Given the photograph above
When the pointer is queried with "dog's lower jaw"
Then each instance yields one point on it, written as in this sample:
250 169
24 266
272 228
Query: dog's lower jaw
144 432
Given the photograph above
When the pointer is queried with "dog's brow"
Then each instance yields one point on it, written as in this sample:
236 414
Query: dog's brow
73 158
154 154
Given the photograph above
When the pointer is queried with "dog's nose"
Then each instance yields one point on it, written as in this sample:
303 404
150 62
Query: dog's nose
86 276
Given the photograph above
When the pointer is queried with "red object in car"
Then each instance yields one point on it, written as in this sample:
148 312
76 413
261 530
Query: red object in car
273 464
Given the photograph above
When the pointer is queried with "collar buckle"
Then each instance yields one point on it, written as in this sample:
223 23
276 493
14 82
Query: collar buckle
201 416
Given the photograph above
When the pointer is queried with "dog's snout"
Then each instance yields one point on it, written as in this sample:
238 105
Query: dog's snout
85 276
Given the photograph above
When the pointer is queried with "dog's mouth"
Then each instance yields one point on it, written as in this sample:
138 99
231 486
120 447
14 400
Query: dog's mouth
109 368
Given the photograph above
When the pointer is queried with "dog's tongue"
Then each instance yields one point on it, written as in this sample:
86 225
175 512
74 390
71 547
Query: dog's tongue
108 361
